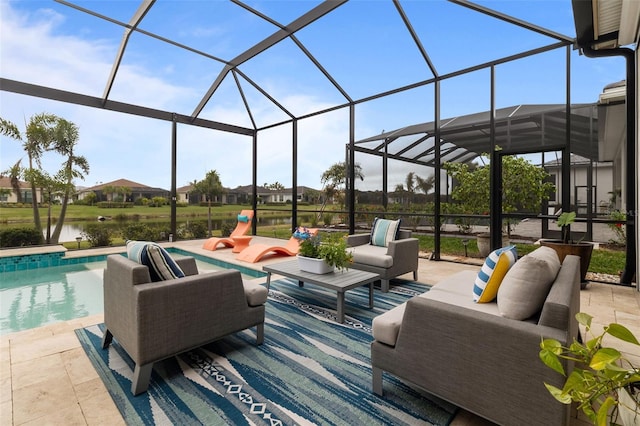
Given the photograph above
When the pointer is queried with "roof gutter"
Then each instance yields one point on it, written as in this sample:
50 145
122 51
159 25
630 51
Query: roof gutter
630 263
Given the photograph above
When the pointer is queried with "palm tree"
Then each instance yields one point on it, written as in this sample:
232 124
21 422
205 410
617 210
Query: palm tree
410 182
39 134
14 176
108 190
210 187
66 138
50 187
425 185
333 181
399 189
124 191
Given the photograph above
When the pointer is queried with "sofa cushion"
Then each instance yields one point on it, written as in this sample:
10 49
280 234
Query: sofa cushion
256 294
460 282
372 255
526 285
160 263
383 231
493 270
243 218
463 301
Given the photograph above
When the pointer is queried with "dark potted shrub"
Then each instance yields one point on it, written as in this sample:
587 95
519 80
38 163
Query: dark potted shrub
567 246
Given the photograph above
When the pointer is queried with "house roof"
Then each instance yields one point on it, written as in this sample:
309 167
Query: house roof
5 182
606 24
123 182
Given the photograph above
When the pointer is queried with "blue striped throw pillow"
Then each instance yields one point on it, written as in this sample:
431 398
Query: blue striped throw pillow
495 267
160 263
383 231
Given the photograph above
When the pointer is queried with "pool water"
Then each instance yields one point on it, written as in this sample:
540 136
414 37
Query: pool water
37 297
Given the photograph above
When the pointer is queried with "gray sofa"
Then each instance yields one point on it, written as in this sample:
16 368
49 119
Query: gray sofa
471 355
400 257
156 320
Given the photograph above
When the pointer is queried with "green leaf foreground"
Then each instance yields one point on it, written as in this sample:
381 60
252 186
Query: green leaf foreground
605 372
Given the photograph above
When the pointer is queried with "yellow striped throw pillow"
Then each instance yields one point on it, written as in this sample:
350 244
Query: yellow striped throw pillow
495 267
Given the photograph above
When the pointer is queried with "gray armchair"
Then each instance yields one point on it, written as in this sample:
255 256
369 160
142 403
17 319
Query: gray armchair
156 320
400 257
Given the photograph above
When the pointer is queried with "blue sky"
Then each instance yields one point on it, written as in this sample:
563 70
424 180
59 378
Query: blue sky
362 44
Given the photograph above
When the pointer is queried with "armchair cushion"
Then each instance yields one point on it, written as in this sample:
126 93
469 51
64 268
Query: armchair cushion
372 255
383 231
256 294
160 263
495 267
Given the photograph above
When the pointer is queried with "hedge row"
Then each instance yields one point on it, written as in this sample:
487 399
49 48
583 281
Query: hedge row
19 237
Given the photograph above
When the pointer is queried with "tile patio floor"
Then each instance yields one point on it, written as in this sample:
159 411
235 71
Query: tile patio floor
45 377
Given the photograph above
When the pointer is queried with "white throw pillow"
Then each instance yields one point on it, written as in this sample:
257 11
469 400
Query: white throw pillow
549 255
525 287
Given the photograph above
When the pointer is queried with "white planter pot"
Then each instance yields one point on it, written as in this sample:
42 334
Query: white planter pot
315 266
484 243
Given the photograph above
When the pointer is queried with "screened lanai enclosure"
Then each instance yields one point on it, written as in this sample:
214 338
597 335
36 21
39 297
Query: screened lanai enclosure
296 89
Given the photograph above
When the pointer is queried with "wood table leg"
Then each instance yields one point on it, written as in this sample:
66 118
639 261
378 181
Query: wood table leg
371 295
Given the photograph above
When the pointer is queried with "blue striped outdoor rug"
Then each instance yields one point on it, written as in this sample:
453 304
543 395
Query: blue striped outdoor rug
310 370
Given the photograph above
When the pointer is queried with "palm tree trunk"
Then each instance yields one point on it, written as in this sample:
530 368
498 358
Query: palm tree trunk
63 211
34 202
209 219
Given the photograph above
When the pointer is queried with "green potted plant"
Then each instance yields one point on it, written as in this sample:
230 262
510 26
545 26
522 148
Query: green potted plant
566 245
321 256
604 383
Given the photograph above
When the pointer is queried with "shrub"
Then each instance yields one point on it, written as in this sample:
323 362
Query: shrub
619 229
97 235
192 230
141 232
18 237
158 202
327 218
226 228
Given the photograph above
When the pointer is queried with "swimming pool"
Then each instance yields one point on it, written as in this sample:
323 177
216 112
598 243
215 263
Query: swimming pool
36 297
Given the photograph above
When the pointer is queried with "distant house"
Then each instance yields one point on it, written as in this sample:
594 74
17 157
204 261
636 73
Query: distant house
602 184
243 194
137 190
8 194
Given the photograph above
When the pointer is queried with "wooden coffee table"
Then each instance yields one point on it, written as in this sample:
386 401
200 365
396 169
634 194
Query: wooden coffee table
340 281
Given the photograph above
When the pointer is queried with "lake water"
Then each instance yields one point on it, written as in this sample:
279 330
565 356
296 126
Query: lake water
71 230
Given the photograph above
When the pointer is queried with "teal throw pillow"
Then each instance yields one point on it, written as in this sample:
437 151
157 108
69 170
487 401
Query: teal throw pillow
383 231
